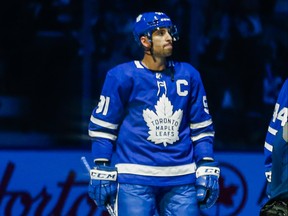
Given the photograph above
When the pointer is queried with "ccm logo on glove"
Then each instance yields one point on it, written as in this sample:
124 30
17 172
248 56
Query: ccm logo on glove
103 175
206 170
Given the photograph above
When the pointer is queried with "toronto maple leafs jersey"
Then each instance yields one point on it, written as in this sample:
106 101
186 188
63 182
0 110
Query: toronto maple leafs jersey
154 126
277 121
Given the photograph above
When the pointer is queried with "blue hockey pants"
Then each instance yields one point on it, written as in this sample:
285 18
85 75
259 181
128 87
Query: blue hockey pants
142 200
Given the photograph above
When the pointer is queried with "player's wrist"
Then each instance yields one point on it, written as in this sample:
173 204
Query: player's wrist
102 162
207 166
207 160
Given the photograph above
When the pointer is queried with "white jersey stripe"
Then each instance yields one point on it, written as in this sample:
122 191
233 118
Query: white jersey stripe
268 147
200 136
145 170
103 123
138 65
272 130
201 124
102 135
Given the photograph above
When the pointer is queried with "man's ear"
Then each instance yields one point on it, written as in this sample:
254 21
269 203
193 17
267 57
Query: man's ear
145 42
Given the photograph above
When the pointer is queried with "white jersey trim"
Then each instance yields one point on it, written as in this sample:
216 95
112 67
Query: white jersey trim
138 64
201 124
272 130
200 136
103 123
160 171
102 135
268 147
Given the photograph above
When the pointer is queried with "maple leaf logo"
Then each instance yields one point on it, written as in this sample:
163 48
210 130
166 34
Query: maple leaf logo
227 192
164 124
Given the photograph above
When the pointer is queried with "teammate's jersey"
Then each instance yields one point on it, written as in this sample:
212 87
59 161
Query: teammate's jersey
276 148
157 123
278 120
278 188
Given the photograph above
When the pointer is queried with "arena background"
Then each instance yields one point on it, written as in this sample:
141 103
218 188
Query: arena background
53 59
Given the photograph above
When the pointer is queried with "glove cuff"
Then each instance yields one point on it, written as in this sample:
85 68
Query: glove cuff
104 173
207 170
208 167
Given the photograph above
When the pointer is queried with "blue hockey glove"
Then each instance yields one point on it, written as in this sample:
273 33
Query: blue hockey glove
103 186
207 186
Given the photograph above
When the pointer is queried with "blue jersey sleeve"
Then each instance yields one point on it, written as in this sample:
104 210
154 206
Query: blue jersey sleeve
108 114
201 124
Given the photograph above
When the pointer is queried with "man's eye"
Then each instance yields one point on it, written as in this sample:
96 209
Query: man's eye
160 32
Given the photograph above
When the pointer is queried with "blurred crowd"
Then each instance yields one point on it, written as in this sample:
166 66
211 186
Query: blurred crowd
55 55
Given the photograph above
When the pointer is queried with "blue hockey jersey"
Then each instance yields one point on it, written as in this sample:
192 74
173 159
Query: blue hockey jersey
277 121
276 149
153 125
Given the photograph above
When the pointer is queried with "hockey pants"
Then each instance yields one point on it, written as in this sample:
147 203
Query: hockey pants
141 200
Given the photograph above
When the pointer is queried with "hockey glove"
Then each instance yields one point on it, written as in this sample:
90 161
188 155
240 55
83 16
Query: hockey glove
103 186
207 186
276 207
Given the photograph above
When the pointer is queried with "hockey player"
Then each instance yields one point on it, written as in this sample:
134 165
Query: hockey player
152 134
276 158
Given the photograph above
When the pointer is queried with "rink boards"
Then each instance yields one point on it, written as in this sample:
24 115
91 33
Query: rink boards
56 182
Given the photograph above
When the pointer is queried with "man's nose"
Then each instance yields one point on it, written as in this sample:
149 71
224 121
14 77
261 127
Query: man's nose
169 36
